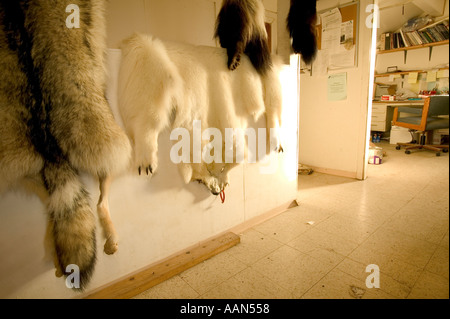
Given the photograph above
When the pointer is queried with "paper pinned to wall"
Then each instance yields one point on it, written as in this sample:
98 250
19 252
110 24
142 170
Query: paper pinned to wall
442 74
331 29
337 87
431 76
413 77
331 19
342 58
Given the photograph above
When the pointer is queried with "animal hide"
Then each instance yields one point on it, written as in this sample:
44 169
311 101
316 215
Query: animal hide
301 24
55 120
171 85
240 27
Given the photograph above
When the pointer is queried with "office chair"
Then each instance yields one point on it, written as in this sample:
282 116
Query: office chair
424 119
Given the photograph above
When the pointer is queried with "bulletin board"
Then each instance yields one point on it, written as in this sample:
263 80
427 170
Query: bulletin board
340 58
350 12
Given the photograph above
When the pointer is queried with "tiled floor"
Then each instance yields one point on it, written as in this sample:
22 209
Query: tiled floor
398 219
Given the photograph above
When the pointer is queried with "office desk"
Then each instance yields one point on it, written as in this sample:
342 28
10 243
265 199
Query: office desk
383 113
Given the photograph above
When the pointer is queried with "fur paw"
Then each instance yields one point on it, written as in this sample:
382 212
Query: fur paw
234 63
275 144
146 170
146 161
58 272
111 246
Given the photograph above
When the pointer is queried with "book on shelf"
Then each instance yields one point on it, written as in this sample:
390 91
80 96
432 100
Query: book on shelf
427 36
437 31
402 34
388 41
417 38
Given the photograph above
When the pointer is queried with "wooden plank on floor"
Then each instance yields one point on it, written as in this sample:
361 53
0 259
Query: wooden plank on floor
135 284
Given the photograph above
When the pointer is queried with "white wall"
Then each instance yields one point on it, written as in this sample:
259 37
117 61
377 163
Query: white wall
333 135
159 217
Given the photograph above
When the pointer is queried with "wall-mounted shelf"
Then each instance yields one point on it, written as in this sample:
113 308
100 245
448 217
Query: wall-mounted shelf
405 72
415 47
428 45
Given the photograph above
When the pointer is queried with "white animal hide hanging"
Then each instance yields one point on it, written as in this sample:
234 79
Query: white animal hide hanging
171 85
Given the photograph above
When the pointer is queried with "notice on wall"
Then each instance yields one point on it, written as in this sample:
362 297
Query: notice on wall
331 29
413 77
442 74
337 87
431 76
337 48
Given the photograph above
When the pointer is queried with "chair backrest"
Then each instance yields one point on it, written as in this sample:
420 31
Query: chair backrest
439 105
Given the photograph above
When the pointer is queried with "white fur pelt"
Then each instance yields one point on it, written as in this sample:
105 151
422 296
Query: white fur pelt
169 85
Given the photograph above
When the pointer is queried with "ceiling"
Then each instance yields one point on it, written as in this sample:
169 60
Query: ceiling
393 17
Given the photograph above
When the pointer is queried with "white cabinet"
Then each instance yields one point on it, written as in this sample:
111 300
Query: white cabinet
382 114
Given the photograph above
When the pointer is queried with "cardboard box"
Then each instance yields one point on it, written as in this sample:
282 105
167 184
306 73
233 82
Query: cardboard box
388 98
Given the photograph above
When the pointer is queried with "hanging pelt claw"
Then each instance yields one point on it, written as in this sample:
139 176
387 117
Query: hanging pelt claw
148 170
235 62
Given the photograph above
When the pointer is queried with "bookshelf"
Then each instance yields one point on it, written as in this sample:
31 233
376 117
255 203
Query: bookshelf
381 75
415 47
430 36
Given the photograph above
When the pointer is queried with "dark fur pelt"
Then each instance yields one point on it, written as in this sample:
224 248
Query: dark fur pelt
301 23
240 28
55 120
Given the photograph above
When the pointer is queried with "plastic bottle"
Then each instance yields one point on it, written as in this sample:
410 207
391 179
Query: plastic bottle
375 138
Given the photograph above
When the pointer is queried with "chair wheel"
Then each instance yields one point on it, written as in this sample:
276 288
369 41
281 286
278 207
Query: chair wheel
438 154
398 148
445 150
408 152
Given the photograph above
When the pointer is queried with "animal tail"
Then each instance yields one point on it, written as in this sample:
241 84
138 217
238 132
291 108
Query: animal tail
240 27
301 24
71 223
259 54
231 23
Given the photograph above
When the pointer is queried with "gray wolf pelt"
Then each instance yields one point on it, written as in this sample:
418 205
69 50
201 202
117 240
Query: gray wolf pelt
169 85
240 27
56 122
301 24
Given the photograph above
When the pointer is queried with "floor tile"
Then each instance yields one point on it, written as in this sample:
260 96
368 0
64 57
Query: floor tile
253 246
337 285
248 284
212 272
439 263
430 286
292 270
348 228
323 246
174 288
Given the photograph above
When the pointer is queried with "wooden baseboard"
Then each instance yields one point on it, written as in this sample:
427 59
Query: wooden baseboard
264 217
145 279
